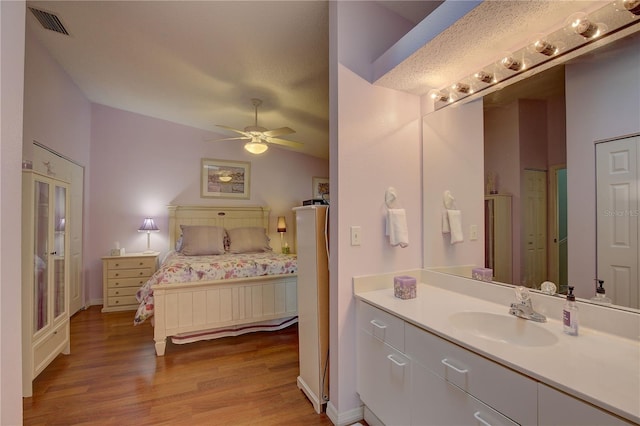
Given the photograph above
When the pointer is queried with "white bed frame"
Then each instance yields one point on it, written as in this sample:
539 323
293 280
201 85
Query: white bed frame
195 309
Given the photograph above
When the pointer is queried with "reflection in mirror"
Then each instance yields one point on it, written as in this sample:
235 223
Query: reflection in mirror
525 158
540 138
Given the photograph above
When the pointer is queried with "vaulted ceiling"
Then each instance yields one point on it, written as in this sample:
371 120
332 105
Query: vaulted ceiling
200 63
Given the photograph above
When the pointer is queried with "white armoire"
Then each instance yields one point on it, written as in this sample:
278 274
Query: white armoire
313 302
45 279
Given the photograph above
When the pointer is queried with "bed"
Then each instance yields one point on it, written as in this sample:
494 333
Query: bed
212 302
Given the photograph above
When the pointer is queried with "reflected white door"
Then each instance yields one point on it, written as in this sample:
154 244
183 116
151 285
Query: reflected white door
535 227
617 219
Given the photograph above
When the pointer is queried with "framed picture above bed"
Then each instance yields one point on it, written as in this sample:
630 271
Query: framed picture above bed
224 179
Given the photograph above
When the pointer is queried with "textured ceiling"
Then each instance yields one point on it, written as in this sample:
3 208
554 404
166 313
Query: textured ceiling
482 36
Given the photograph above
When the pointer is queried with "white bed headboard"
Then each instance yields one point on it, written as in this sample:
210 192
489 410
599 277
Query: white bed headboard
227 217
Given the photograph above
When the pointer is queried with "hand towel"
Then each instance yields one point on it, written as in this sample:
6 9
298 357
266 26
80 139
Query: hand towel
455 224
397 228
445 222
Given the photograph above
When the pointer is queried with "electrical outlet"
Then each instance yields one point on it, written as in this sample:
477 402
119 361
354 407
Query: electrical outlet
473 232
355 235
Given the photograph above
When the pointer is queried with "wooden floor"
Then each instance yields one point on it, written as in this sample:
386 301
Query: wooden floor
113 377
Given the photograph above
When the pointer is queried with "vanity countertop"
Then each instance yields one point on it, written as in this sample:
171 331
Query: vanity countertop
597 367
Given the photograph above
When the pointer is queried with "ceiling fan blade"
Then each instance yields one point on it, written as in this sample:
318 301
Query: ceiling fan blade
290 144
230 139
233 130
279 132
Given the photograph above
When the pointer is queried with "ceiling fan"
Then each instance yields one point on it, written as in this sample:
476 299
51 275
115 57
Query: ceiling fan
259 137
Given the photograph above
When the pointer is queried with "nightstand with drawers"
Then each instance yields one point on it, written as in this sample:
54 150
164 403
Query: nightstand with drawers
122 276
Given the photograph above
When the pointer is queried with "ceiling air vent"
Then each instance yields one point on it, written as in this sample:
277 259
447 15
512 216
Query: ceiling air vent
49 21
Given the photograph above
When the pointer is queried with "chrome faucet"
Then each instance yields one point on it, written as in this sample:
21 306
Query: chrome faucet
523 308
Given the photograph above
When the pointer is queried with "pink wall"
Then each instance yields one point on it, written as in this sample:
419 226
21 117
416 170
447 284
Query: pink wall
603 101
12 19
141 164
502 156
376 145
56 112
453 160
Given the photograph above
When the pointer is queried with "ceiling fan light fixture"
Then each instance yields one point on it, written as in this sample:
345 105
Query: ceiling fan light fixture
256 147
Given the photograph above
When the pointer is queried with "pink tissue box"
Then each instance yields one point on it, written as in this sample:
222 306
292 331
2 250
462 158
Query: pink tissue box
404 287
482 274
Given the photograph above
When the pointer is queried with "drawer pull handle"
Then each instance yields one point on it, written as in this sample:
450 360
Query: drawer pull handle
378 325
448 364
480 419
392 359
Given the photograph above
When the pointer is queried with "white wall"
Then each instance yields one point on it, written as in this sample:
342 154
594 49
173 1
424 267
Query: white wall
12 24
602 101
376 145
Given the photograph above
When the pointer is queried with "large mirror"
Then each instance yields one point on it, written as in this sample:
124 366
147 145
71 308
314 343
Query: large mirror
540 178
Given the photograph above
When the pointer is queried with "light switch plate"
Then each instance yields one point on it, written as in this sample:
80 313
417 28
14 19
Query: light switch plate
356 235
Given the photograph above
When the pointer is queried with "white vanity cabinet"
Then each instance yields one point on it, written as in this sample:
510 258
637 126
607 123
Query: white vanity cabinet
406 375
557 408
472 389
383 370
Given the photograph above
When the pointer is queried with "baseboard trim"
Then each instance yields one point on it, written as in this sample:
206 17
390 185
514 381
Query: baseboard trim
315 401
345 418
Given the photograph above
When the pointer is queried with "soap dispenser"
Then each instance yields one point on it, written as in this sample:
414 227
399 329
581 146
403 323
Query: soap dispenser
570 314
600 296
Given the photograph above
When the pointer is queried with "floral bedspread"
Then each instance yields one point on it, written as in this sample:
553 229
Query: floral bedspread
178 268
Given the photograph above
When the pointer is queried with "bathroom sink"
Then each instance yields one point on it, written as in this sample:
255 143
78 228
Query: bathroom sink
503 328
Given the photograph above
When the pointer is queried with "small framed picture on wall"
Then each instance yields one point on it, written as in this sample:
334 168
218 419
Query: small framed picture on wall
320 188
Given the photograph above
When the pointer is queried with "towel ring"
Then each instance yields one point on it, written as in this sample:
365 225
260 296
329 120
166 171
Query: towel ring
390 197
448 200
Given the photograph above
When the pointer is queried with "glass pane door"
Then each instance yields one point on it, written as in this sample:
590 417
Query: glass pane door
41 256
59 223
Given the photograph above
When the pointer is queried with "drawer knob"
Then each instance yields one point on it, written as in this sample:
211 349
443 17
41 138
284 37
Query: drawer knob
453 367
117 292
117 264
141 263
117 275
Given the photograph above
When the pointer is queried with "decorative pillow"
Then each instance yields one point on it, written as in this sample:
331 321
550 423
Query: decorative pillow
248 240
200 240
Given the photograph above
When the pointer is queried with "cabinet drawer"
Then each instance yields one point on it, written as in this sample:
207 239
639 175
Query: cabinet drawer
122 300
123 291
127 282
503 389
48 348
132 263
557 408
434 401
129 273
380 324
